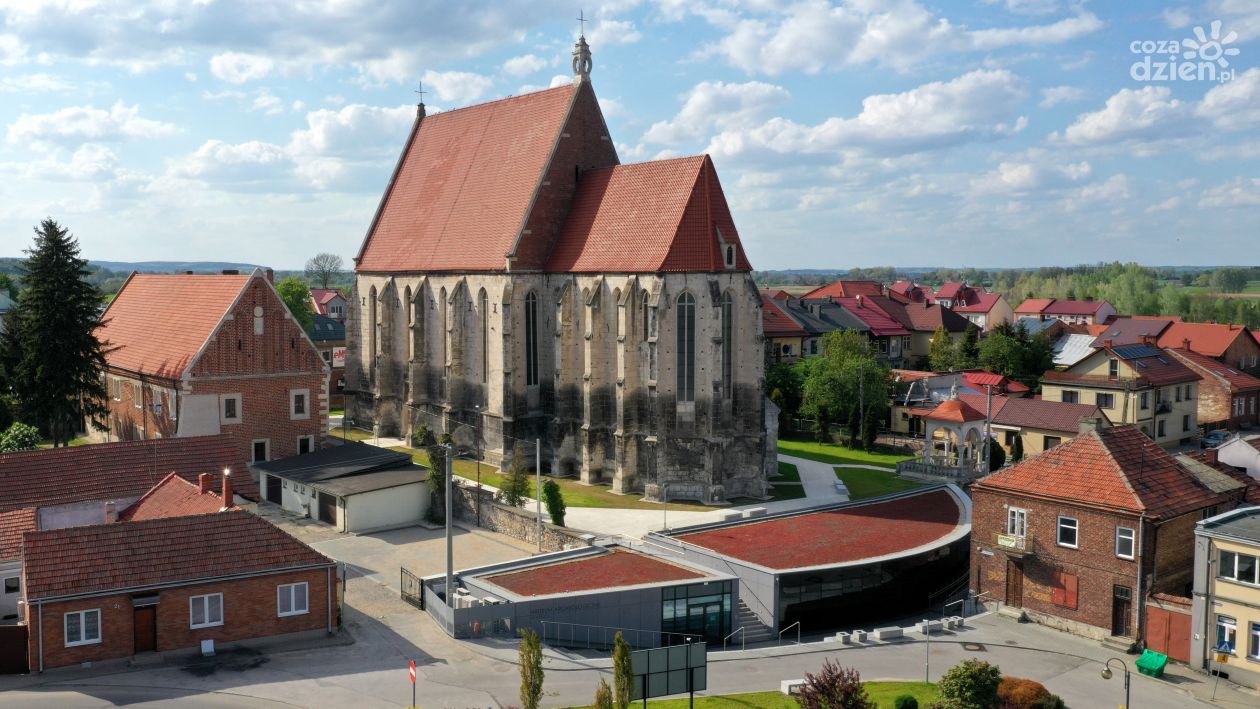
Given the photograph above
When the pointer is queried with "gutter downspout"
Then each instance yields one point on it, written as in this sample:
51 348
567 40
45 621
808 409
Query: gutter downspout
41 638
1208 625
330 628
1140 600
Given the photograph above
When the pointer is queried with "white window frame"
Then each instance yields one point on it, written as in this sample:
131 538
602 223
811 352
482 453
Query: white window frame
83 639
1017 521
1230 625
118 382
308 439
1232 573
306 404
204 601
267 442
1253 641
240 412
290 589
137 394
1132 538
1075 526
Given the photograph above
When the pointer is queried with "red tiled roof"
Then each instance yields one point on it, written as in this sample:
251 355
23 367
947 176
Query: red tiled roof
665 215
173 497
1073 307
1235 380
1128 331
1211 339
1116 467
13 524
322 297
1154 365
1001 384
837 536
955 410
949 290
875 317
911 375
777 323
980 303
846 289
114 471
158 323
775 293
621 567
129 555
1034 305
1035 413
464 185
922 317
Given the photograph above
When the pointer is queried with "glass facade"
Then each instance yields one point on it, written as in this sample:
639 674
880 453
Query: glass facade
700 609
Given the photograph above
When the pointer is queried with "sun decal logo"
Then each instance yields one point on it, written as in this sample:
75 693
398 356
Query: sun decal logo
1210 48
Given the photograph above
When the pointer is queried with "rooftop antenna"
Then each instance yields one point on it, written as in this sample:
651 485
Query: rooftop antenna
420 106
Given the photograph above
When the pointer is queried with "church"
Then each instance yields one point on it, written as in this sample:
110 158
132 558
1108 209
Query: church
518 283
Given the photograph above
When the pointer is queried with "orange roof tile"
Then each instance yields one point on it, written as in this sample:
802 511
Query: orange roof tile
157 323
128 555
1235 380
776 322
1211 339
174 497
846 289
955 410
620 567
1118 467
1034 305
13 524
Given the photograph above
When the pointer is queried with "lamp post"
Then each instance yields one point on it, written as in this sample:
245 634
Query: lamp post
477 443
1106 674
450 552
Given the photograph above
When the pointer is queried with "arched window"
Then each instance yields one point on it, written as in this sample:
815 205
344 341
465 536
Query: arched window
483 302
728 337
531 339
730 257
373 327
411 324
686 326
445 324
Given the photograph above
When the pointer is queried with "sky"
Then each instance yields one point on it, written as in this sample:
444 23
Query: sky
985 133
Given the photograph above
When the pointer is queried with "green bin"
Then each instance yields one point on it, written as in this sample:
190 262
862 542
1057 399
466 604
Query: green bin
1152 663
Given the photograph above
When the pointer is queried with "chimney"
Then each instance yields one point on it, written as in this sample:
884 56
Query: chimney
1185 344
1089 423
111 512
271 275
231 272
1210 456
227 487
203 483
1148 340
188 273
1108 343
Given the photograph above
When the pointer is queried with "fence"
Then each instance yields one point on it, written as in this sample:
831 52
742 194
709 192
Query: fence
412 588
601 637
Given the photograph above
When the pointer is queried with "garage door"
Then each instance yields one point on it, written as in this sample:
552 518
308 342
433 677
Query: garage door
273 490
327 508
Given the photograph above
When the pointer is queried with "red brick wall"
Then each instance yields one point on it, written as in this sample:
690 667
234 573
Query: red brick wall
126 422
249 611
1242 350
265 411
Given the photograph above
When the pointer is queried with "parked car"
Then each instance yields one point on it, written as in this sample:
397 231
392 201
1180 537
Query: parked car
1214 438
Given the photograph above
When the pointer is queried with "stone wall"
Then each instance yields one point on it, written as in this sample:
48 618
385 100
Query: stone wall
517 522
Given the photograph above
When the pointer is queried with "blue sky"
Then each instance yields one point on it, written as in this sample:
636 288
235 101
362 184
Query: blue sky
857 133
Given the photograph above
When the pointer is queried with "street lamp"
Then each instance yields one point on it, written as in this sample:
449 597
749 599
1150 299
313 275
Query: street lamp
1106 674
477 443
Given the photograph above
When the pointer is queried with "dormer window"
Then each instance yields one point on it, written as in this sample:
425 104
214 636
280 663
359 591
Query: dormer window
730 256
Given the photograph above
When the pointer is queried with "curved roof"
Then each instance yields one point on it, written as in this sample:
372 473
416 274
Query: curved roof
956 411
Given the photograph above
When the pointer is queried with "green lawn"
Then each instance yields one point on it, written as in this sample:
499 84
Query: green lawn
73 442
788 474
350 434
787 491
839 455
1252 287
336 412
885 693
864 483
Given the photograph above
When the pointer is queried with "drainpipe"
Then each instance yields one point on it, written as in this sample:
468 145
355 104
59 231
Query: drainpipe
329 599
1140 597
41 638
1208 625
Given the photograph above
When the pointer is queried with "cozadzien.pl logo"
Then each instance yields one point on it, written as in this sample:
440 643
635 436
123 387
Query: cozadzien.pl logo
1203 57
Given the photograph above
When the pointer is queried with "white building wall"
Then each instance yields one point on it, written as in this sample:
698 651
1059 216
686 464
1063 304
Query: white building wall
378 509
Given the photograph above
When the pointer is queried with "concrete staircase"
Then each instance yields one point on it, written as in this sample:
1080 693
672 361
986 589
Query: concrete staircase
754 630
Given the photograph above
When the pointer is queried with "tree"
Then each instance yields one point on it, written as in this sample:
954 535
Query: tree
516 486
531 669
997 456
297 295
822 425
969 349
19 437
603 696
942 354
834 687
1017 449
848 381
51 358
971 684
870 430
323 268
554 501
623 672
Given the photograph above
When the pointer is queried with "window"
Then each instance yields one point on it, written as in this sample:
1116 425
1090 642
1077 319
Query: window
728 345
483 302
1144 400
137 394
1159 428
686 363
647 299
299 403
1071 397
531 339
1240 406
1113 367
1124 542
1185 422
905 342
83 627
1253 642
1049 442
1016 521
230 408
205 611
1068 527
291 599
13 584
813 349
117 389
1065 588
326 355
1226 632
1105 401
1239 567
730 257
1189 392
305 444
1177 391
262 450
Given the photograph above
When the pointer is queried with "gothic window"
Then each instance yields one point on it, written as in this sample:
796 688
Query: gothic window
373 327
730 257
644 315
416 317
483 302
411 324
728 337
686 327
531 339
445 324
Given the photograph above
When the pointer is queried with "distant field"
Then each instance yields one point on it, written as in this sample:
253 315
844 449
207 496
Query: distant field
794 290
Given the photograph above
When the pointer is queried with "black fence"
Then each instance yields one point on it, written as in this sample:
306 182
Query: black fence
412 588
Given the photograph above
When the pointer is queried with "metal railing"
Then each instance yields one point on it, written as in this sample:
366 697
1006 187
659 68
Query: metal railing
411 588
796 625
574 635
739 630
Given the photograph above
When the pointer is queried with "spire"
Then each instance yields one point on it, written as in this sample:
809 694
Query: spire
420 106
581 54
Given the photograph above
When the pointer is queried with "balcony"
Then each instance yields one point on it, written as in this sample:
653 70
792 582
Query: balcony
1163 407
1015 546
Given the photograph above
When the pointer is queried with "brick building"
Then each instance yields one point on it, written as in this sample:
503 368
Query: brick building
1233 345
117 590
1079 537
329 336
194 355
1228 397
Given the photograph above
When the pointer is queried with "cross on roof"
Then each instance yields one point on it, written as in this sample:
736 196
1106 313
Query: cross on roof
420 90
582 22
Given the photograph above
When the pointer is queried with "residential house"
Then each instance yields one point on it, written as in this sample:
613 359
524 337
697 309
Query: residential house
1078 312
1228 398
1233 345
820 316
784 336
890 340
985 310
922 320
329 302
1226 610
1071 348
1054 329
1137 384
117 590
911 292
329 336
846 289
1038 423
952 293
194 355
6 304
1081 535
1242 453
1132 331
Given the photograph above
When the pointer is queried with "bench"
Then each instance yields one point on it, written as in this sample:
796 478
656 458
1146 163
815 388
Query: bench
1152 663
930 626
888 633
791 686
755 512
841 487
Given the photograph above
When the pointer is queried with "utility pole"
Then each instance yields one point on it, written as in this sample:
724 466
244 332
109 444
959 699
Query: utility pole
988 421
861 401
538 488
450 553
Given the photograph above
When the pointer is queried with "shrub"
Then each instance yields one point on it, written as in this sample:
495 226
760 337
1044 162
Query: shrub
834 687
19 437
603 695
554 500
1020 693
623 672
905 701
971 684
516 486
531 669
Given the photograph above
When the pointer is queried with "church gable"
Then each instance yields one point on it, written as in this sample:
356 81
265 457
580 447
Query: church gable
706 234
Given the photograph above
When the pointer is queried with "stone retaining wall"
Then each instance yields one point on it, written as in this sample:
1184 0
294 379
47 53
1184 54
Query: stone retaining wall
517 522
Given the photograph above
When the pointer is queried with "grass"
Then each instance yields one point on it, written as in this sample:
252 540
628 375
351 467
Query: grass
864 483
885 693
575 493
350 434
839 455
788 474
1253 287
882 693
73 442
787 491
336 412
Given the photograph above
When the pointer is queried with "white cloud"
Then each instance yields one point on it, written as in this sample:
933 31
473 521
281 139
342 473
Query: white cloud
560 80
610 33
1241 192
353 131
1145 114
268 103
1177 17
1028 7
238 68
297 106
225 163
1030 177
89 162
86 123
12 50
1055 95
190 77
524 65
1169 205
34 84
1234 105
459 87
1116 187
717 104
